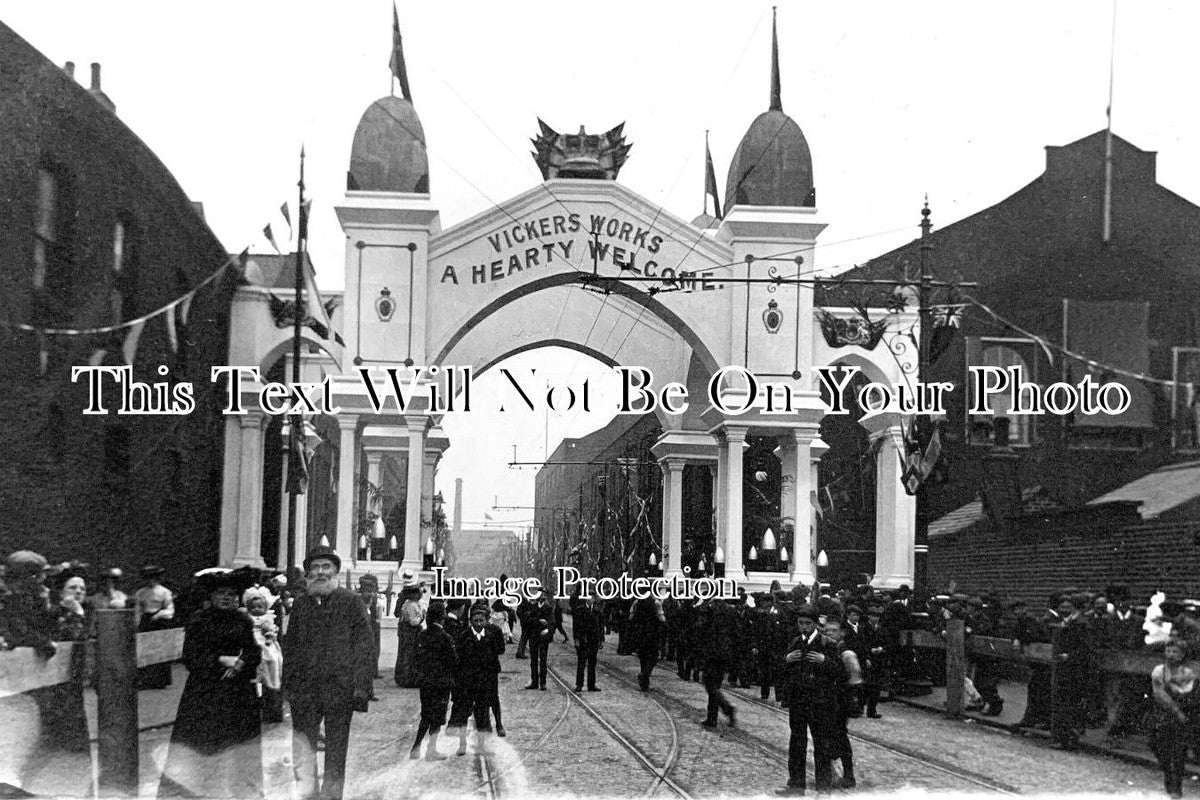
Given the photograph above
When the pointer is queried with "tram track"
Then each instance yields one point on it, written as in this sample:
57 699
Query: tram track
779 754
662 775
969 776
490 777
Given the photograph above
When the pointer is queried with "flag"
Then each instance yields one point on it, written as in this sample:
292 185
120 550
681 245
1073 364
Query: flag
129 348
297 476
815 502
396 63
287 217
172 335
710 179
922 450
487 516
267 232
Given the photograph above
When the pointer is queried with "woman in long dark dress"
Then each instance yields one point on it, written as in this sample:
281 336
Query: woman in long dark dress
410 613
216 745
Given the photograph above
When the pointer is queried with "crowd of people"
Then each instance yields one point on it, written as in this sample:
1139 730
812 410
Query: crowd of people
254 638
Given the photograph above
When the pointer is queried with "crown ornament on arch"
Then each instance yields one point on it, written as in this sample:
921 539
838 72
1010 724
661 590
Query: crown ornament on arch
581 155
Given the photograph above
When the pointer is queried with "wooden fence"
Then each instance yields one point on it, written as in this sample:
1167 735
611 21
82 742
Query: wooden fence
116 654
958 647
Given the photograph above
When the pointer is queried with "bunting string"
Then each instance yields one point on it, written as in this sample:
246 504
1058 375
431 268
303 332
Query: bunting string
1048 345
185 300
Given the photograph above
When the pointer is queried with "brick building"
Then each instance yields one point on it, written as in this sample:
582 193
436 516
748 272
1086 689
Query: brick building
94 231
1131 302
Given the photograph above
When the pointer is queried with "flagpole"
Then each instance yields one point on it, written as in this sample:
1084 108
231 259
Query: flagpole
704 210
1108 154
296 422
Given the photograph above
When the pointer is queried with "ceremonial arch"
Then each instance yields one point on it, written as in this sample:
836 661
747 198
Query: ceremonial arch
582 262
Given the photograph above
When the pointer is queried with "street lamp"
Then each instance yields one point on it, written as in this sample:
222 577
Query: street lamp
768 545
427 557
718 563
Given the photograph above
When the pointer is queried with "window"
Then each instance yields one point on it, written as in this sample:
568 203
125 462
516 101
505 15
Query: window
51 237
46 234
123 281
1185 399
1002 353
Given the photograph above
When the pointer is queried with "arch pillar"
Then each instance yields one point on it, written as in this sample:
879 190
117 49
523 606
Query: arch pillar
731 439
895 510
674 450
418 426
800 449
343 541
247 541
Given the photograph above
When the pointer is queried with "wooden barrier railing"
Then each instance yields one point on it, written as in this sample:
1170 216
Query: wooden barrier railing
117 653
958 647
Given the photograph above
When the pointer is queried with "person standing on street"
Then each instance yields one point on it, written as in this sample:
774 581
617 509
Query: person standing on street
814 674
410 613
1071 649
216 744
327 671
587 622
479 648
718 642
646 621
1178 701
437 663
368 592
542 624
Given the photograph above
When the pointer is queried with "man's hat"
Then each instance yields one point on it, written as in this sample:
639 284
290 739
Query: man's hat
24 564
806 611
323 552
855 609
409 579
481 608
152 571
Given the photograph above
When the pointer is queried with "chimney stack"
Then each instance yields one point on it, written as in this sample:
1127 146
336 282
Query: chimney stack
69 68
457 507
97 92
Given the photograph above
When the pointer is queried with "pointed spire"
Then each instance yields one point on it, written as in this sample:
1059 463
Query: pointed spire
776 94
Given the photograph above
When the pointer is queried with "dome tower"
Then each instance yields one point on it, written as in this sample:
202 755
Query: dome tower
772 166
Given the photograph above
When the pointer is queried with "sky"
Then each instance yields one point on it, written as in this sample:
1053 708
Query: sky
897 100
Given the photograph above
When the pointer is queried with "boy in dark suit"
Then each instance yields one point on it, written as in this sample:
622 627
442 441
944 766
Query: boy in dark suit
437 662
479 648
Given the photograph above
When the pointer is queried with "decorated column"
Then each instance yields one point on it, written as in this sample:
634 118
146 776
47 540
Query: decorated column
895 512
672 543
250 492
735 440
417 426
347 443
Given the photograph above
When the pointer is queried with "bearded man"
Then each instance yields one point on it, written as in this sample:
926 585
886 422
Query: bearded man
328 665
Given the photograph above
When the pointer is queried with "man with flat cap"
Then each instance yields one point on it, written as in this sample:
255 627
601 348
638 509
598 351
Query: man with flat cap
327 671
814 675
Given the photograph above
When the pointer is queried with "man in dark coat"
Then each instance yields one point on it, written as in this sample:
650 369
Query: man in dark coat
814 674
858 636
718 642
587 623
327 671
544 618
646 622
1030 628
437 663
479 648
1071 649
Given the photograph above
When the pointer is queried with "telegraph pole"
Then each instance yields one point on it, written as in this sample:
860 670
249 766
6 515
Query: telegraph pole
925 315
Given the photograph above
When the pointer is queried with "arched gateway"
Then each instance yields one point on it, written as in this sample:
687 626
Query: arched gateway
551 266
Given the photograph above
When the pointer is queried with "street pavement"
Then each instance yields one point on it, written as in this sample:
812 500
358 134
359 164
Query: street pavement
621 742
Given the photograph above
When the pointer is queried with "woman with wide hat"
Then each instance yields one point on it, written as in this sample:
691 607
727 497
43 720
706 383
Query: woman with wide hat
410 613
216 747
